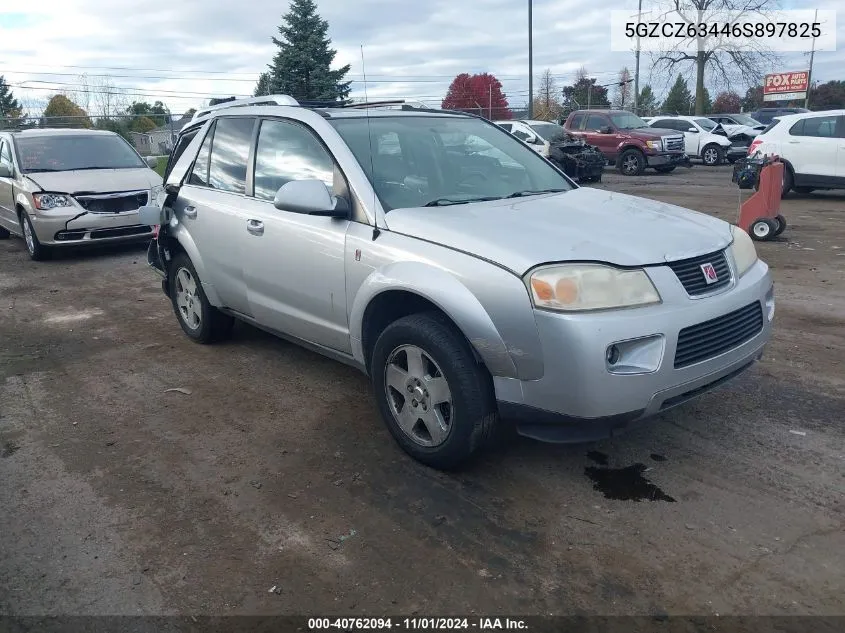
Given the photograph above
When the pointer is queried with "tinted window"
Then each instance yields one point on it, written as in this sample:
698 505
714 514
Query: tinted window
596 122
797 129
668 124
199 175
770 126
229 154
287 151
76 151
506 126
181 146
577 121
705 124
822 126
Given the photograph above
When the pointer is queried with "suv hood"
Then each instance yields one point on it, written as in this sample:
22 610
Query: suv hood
96 180
649 133
584 224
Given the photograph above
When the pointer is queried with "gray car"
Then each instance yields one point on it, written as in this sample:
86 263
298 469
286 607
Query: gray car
70 187
473 282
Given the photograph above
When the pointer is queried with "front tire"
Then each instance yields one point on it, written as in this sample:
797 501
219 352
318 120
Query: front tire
201 321
712 155
435 398
37 251
632 162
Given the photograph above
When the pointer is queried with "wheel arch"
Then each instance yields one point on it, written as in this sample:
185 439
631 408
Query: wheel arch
409 287
179 240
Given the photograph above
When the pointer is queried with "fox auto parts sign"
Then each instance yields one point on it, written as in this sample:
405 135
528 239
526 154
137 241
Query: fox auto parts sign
786 86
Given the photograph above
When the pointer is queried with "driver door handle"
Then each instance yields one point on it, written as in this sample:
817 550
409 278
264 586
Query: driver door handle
190 212
256 227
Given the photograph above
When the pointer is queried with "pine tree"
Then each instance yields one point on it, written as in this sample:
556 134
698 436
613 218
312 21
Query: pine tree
679 98
302 66
647 102
10 110
262 88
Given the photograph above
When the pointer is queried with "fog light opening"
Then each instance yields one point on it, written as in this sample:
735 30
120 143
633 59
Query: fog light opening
613 355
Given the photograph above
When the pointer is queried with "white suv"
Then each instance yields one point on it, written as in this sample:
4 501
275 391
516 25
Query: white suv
812 146
703 138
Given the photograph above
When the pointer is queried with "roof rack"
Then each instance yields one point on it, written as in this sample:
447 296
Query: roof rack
405 104
277 100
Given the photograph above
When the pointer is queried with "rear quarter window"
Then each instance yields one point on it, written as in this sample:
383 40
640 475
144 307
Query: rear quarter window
770 126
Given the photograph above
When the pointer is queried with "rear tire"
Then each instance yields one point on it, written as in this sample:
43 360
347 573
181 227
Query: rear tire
37 251
201 321
632 162
435 398
665 169
788 181
781 224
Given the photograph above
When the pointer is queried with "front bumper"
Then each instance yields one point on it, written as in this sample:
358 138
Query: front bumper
661 159
580 398
69 226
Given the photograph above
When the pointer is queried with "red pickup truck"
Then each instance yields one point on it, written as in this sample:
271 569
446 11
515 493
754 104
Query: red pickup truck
627 141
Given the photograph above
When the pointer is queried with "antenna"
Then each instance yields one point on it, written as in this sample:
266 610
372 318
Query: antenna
370 138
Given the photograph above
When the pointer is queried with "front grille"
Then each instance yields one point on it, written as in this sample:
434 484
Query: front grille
674 143
691 275
113 202
716 336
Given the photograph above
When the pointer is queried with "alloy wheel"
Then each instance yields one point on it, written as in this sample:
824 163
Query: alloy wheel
418 395
28 236
187 300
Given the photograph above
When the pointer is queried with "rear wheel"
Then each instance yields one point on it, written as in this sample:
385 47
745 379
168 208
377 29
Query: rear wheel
665 169
712 155
788 181
200 320
632 162
435 398
37 251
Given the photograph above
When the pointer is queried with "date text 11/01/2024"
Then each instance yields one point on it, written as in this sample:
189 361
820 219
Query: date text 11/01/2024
416 624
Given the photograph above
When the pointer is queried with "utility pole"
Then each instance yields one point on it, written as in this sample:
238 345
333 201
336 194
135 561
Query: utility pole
810 74
490 101
589 92
530 62
637 63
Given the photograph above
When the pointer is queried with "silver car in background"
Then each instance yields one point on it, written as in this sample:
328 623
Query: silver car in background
470 279
68 187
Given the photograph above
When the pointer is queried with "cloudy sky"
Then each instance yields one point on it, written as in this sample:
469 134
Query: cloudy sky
185 51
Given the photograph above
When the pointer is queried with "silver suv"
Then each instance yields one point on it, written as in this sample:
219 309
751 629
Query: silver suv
72 187
467 276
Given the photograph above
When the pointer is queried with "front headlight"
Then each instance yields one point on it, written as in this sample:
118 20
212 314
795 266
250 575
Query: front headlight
655 145
46 201
743 250
573 287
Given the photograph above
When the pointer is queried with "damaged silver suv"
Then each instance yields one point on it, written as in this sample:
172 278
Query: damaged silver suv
465 274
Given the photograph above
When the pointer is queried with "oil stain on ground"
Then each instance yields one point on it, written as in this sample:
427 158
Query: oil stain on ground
625 484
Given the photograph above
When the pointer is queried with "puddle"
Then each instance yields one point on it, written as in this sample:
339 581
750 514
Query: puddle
597 457
625 484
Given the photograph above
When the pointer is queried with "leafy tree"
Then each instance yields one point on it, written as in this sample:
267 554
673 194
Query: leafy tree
302 66
481 94
679 98
62 112
708 103
262 88
753 99
143 124
584 92
828 96
218 100
727 102
623 89
119 126
647 102
157 112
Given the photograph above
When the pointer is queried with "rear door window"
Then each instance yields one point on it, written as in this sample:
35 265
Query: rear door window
230 154
821 126
595 122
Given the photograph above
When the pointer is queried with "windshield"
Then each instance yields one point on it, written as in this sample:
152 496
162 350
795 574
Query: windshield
744 119
415 161
548 131
76 151
705 124
627 121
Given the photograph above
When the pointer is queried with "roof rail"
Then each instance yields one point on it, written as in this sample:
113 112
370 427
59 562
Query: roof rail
404 103
278 100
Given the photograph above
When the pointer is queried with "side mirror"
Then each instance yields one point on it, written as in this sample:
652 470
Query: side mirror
152 161
311 197
693 130
149 215
6 171
606 130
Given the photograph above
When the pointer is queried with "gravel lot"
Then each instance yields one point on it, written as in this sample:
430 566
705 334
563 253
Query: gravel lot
273 469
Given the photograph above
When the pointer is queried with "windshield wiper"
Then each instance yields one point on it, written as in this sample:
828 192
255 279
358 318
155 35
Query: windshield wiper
534 192
94 167
445 202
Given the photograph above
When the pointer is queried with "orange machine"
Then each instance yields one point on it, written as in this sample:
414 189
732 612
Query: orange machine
760 215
